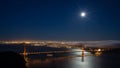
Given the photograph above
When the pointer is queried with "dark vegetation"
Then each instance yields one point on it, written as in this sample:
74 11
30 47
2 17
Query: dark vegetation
10 59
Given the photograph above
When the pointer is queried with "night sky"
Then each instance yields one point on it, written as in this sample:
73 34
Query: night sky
59 20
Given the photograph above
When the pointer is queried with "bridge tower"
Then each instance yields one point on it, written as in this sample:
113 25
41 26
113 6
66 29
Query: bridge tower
25 51
83 50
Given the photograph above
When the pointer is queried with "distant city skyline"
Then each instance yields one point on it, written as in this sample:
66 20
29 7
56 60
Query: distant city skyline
103 43
59 20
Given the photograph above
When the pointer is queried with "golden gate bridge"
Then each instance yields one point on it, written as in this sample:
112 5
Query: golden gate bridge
82 50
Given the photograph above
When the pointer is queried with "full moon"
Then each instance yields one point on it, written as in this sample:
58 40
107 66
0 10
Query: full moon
82 14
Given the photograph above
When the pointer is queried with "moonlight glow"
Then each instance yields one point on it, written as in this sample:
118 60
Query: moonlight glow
82 14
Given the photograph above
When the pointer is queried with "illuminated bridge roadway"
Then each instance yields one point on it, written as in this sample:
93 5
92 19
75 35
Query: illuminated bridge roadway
25 53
